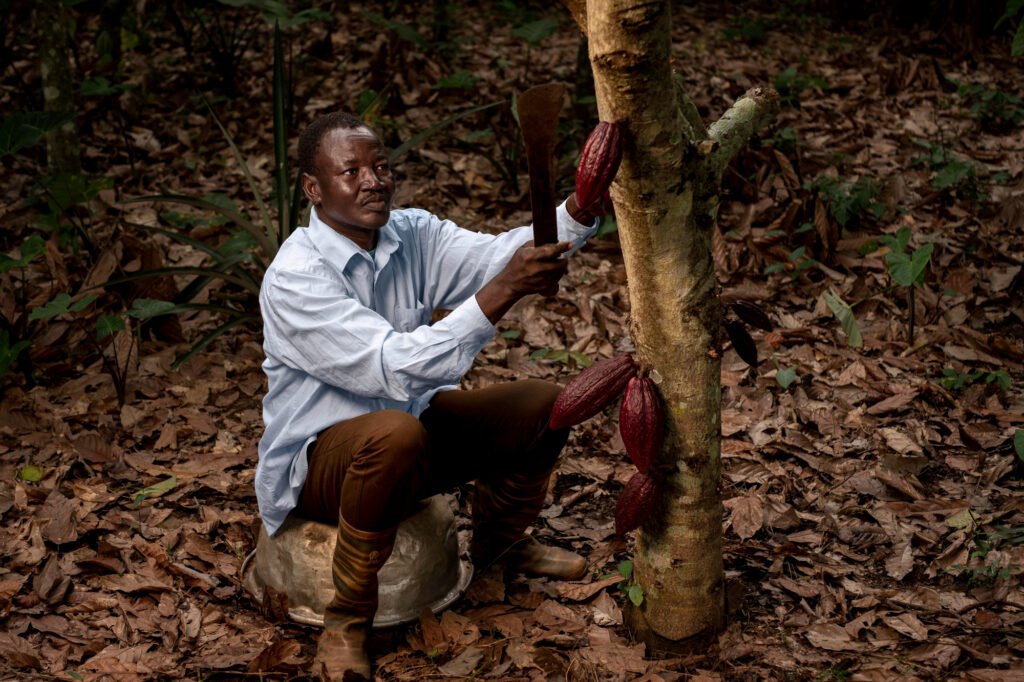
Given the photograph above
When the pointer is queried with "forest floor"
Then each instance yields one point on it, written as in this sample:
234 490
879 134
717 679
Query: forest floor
874 515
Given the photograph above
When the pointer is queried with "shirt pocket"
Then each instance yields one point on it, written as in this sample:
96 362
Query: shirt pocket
407 319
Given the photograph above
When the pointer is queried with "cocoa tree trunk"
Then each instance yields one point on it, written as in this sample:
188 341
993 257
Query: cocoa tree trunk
665 197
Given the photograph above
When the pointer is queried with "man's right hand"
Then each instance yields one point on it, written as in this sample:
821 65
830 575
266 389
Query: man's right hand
532 270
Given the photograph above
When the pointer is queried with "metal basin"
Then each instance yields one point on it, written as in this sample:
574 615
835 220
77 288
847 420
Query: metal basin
424 571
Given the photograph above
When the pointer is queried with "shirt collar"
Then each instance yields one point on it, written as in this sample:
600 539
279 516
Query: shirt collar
340 250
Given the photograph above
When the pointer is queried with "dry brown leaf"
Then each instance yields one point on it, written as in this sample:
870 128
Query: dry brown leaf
522 653
60 517
907 624
942 654
899 441
901 561
747 515
51 583
463 664
610 653
94 448
18 652
582 592
894 403
606 612
801 589
509 624
458 629
131 416
281 651
832 637
488 587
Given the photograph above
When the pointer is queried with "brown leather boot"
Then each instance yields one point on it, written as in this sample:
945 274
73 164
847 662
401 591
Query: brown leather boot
358 555
502 510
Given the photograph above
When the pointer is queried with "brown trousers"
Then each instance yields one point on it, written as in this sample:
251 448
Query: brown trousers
373 469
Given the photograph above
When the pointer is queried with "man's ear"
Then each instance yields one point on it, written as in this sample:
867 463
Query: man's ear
311 188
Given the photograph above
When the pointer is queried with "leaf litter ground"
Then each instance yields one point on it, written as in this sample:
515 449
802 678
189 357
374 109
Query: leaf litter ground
874 522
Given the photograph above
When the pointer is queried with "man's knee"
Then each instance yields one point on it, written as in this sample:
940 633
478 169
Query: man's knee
399 440
539 396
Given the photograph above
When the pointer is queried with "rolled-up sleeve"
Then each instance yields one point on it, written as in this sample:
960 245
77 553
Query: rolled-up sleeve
463 261
311 325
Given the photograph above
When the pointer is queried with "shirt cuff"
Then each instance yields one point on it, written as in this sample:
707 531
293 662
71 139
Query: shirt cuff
571 231
468 323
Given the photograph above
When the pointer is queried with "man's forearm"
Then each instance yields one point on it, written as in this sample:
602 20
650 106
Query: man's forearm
495 299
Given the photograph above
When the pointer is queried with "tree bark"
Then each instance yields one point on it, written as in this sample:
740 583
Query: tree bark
62 153
665 197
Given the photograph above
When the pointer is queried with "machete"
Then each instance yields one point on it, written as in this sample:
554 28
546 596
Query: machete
538 110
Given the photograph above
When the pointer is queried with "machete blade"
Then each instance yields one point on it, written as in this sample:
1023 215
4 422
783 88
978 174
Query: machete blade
538 110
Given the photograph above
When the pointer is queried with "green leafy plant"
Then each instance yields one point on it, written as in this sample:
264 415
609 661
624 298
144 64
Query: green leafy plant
790 83
627 586
1018 443
796 264
996 111
952 380
63 210
156 490
534 33
785 376
116 350
460 80
24 129
750 30
1014 12
784 139
225 30
951 172
237 264
562 355
402 30
16 328
844 314
985 569
837 674
65 201
907 268
849 202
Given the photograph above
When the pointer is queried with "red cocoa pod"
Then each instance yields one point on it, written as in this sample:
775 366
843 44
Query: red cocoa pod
636 502
599 162
591 390
753 314
741 342
641 422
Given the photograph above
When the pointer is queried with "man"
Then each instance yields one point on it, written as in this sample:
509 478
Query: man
360 423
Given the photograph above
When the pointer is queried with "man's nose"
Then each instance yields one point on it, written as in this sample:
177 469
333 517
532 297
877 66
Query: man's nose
371 180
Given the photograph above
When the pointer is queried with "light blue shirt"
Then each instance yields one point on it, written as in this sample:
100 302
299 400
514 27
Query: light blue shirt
346 333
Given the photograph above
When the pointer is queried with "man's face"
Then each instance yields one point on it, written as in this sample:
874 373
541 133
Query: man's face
353 186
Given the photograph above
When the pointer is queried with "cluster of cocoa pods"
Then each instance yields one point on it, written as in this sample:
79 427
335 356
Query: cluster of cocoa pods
749 314
641 424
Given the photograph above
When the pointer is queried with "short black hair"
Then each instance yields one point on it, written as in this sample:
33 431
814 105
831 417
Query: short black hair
313 135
